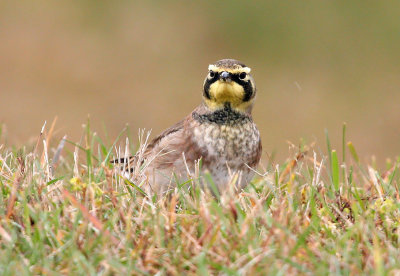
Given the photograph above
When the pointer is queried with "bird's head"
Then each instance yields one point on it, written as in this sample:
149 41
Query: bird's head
229 83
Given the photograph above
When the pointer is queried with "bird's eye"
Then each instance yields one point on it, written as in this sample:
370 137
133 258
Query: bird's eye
212 74
242 75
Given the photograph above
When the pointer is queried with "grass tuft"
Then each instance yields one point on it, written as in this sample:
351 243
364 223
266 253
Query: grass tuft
64 210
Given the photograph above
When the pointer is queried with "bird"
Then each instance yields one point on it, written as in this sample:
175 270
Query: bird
220 132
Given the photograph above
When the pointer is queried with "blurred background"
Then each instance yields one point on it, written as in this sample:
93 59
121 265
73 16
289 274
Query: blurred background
316 63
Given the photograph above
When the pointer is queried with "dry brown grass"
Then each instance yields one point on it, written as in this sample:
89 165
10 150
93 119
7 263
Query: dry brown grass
75 215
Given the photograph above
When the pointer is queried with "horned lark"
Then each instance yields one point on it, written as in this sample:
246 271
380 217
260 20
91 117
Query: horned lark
220 132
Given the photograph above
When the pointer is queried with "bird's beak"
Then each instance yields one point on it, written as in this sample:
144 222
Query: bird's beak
225 76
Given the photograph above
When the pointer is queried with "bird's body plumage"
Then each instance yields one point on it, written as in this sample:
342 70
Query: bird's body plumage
220 132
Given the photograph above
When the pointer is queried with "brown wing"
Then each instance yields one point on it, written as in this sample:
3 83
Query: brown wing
165 149
257 157
166 133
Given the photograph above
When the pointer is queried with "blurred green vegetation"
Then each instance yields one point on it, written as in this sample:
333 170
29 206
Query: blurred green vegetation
316 64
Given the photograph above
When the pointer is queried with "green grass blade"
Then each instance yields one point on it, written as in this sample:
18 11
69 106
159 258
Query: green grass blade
136 187
328 144
335 170
353 152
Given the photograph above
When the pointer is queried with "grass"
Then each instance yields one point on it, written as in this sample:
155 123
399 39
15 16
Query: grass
68 212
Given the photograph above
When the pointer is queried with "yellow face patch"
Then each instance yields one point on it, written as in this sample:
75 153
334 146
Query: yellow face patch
222 92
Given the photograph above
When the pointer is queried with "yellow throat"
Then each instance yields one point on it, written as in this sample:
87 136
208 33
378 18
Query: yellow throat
222 92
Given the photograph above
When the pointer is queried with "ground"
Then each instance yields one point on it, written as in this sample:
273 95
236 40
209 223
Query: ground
64 210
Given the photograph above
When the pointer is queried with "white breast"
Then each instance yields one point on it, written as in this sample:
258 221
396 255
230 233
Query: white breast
227 149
